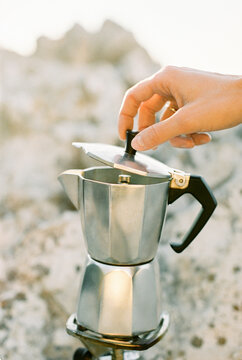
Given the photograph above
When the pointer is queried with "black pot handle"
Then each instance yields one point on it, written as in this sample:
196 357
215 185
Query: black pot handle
201 191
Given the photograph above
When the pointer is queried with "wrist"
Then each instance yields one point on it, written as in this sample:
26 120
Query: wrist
236 100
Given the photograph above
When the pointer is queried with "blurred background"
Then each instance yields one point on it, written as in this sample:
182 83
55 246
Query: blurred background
65 66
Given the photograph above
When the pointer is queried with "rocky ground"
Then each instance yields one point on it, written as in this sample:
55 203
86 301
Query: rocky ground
70 90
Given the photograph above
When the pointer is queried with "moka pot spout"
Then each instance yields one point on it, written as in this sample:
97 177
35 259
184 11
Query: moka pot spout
70 180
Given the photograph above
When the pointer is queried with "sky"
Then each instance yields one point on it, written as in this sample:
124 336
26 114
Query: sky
203 34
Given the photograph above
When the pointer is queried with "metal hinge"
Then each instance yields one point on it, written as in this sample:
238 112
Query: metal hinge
180 179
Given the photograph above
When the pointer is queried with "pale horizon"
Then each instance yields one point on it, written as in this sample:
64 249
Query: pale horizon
202 34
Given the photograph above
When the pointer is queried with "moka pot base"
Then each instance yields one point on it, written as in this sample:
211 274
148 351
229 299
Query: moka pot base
121 301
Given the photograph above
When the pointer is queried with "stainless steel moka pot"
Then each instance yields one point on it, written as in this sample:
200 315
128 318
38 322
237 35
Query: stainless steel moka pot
122 207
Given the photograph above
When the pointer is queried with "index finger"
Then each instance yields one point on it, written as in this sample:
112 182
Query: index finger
131 103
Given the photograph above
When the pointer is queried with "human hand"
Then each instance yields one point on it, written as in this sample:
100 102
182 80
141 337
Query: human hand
199 102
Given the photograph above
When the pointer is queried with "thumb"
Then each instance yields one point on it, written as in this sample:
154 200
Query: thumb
157 134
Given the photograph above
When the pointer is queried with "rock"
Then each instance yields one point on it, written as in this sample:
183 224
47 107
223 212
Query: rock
73 47
135 66
196 341
110 44
25 329
61 339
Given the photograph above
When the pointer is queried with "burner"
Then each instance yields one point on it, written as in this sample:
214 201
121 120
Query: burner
139 342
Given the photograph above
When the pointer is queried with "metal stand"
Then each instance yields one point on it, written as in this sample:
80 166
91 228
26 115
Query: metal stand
102 347
118 354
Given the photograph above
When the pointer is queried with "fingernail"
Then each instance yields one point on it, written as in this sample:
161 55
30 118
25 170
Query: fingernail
138 143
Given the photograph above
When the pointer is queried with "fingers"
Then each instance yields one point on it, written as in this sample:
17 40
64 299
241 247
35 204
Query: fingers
157 84
201 138
148 110
156 134
191 140
134 97
169 111
171 129
186 142
182 141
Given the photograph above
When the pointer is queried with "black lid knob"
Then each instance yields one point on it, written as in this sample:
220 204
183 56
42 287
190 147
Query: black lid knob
130 134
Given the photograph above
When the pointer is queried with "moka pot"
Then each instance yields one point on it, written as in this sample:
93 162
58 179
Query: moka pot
122 208
123 211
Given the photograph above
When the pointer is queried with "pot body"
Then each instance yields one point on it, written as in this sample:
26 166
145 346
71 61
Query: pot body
121 223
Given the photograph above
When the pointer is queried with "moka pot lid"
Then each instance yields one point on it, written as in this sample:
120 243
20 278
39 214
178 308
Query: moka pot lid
126 159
